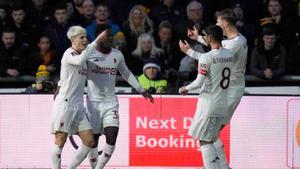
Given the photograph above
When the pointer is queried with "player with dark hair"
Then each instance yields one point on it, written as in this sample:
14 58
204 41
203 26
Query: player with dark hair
214 70
103 64
237 44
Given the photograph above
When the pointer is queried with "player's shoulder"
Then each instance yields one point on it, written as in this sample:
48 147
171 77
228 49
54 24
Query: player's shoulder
238 40
227 52
206 57
241 39
116 52
71 52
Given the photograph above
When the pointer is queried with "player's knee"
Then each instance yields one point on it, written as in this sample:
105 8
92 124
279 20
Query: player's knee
111 134
111 140
60 141
89 142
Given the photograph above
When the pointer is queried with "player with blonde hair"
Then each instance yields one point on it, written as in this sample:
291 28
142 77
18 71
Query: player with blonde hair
69 116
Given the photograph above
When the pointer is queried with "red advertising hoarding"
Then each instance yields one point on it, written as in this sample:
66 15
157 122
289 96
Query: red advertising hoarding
158 133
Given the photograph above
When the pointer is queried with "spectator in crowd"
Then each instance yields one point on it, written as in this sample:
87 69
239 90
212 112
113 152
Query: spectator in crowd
78 10
286 33
88 9
26 33
2 17
268 57
194 12
138 22
120 15
167 10
102 18
146 48
57 29
166 41
194 20
39 14
245 28
151 79
13 55
44 55
42 82
70 9
77 15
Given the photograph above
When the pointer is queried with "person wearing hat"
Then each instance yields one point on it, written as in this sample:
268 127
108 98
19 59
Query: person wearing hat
150 79
42 82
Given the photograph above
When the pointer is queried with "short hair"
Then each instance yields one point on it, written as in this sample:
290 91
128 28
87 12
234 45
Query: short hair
75 31
269 30
8 30
60 6
215 31
102 4
228 15
165 24
192 3
17 8
100 28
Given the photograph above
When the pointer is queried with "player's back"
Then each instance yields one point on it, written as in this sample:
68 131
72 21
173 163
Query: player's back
238 46
215 88
72 79
102 72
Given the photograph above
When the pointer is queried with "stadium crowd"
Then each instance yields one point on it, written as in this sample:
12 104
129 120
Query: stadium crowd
33 33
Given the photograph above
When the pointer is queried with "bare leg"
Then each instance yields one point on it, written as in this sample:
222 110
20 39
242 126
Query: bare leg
111 134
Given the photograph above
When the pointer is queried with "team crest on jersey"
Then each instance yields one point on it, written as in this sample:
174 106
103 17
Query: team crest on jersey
115 60
203 65
74 53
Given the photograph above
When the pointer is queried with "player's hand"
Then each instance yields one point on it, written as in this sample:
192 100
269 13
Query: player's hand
183 91
184 46
193 34
148 95
102 36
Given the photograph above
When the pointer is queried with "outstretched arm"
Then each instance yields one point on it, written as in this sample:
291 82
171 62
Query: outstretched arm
130 78
79 59
198 82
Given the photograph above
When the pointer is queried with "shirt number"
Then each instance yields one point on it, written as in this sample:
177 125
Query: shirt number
225 78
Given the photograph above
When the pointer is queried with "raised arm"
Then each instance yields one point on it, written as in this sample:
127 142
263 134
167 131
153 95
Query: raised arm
79 59
186 48
82 57
194 35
